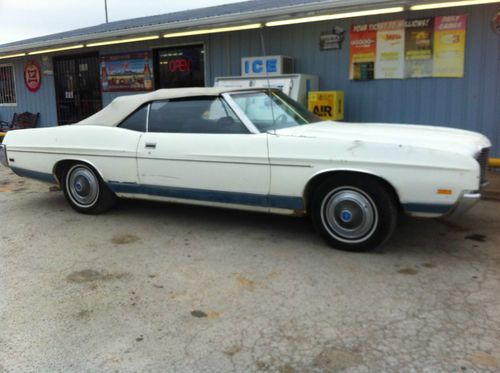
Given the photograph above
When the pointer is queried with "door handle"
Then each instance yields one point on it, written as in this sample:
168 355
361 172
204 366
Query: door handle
151 145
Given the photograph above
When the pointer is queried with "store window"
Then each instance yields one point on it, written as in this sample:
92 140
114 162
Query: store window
7 85
180 67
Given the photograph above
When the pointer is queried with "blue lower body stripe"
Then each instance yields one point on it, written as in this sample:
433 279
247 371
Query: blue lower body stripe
41 176
249 199
427 208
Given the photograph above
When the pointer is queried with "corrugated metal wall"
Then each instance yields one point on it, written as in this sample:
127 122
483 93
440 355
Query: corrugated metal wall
471 103
43 101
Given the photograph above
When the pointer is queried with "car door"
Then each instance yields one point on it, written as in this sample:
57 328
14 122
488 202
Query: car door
197 149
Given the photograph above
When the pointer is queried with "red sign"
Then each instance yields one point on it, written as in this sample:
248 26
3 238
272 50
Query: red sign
181 64
495 23
32 76
362 51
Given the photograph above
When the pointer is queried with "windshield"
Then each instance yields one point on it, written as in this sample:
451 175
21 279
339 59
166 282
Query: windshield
270 110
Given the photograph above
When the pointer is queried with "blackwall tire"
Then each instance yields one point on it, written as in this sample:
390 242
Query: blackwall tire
85 191
354 212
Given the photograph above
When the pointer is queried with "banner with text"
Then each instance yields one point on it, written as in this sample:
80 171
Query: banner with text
419 40
449 52
412 48
363 43
389 63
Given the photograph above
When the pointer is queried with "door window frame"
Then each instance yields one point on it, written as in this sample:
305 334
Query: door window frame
225 98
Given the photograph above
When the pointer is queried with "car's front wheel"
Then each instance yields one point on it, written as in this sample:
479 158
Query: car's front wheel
85 191
354 212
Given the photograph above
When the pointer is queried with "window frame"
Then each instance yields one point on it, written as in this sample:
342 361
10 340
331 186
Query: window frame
233 106
241 113
10 104
146 105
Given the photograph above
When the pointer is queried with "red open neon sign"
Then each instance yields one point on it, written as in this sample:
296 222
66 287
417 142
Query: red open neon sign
180 65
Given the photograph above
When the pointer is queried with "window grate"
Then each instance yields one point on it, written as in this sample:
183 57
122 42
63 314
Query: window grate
7 85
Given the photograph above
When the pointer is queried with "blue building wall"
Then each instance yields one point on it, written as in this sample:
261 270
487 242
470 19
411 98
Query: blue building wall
42 101
472 102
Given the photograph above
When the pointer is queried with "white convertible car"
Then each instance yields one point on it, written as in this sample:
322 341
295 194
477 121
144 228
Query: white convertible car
256 150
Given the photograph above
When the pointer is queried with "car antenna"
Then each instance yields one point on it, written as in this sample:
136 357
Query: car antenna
270 92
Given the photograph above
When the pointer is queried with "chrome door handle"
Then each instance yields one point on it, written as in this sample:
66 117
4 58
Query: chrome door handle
151 145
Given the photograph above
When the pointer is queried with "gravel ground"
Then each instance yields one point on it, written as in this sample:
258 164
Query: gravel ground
163 287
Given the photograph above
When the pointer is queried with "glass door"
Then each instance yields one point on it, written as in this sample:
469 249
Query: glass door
78 90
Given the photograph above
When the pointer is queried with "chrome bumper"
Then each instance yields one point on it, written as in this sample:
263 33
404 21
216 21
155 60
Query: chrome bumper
3 155
464 204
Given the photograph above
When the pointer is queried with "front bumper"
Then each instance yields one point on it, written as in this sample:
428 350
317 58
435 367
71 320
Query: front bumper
3 155
465 203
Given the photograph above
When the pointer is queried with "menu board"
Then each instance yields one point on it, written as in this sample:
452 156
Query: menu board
127 72
412 48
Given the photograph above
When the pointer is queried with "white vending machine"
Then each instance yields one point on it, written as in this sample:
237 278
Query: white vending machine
297 86
274 72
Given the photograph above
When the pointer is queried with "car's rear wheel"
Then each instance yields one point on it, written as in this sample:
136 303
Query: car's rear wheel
85 191
354 212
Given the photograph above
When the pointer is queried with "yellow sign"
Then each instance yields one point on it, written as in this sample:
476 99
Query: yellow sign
449 46
328 105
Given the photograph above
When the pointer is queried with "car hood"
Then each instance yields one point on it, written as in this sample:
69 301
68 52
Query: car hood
438 138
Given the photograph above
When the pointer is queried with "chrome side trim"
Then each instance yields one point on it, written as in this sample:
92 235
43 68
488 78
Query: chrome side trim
344 169
147 117
81 160
66 154
3 155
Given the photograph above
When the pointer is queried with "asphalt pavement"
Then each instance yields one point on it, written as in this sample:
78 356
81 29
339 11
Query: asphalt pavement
163 287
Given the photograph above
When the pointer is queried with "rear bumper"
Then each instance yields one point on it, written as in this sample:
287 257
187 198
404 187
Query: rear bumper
3 156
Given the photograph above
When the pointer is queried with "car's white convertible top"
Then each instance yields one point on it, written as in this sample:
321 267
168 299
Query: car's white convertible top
123 106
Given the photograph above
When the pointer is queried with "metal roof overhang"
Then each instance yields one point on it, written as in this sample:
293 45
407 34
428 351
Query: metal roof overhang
277 13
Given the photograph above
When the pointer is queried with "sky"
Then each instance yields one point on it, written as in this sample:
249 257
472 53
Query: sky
24 19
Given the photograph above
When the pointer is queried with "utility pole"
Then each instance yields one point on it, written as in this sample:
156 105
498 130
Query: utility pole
106 9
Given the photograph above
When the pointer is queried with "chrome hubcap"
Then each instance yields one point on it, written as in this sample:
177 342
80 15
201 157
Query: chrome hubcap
349 214
83 186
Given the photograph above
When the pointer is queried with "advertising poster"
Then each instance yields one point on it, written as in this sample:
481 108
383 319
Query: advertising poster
389 63
363 44
449 46
127 72
419 40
